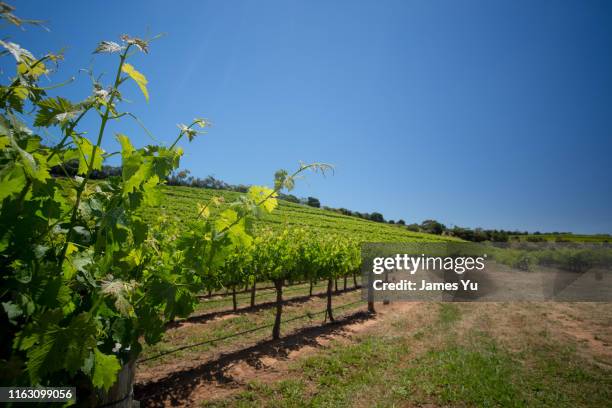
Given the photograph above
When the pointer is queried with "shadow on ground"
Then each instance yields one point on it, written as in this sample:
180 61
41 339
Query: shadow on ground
176 388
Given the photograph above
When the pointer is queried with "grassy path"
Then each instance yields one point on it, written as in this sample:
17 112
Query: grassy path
409 354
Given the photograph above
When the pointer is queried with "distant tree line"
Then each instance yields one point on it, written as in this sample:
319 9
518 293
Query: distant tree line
184 178
71 168
375 216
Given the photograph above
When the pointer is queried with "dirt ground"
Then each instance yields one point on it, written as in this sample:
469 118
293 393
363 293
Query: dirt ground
218 374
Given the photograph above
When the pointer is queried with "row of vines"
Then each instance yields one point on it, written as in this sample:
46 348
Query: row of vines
290 255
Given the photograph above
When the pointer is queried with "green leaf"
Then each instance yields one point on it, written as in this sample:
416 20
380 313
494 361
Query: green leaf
121 291
86 149
69 268
151 194
51 348
4 141
126 145
26 63
33 168
260 193
31 67
54 110
105 370
12 180
132 182
203 210
21 92
12 310
226 218
139 78
279 179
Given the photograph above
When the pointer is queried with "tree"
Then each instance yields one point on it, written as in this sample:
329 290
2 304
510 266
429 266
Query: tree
377 217
313 202
289 197
433 227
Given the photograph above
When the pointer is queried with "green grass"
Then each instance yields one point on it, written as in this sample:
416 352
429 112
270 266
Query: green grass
330 379
461 375
449 313
450 363
181 202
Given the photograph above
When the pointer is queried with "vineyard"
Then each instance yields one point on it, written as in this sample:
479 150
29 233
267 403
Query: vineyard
128 289
93 271
181 203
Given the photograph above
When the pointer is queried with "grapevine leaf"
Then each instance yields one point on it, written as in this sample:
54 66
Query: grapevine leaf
139 78
203 210
120 291
151 194
136 179
105 370
70 154
34 169
164 161
53 348
86 151
12 311
26 63
54 110
126 145
75 261
217 200
239 236
235 229
226 218
12 180
21 92
31 67
264 197
280 178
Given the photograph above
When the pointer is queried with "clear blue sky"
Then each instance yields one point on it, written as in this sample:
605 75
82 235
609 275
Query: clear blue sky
476 113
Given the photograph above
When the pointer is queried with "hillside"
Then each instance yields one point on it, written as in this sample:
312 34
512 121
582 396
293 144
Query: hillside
181 202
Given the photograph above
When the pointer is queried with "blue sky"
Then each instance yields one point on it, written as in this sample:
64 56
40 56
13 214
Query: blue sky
476 113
